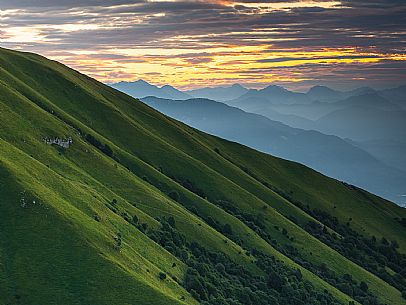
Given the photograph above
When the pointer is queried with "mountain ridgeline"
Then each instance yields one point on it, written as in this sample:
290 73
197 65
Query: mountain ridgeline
104 200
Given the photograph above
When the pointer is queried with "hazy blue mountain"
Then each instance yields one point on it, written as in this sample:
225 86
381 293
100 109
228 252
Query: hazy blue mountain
293 108
395 95
338 118
365 118
317 102
329 154
324 94
391 152
369 100
328 95
219 93
374 118
141 88
271 95
316 110
359 91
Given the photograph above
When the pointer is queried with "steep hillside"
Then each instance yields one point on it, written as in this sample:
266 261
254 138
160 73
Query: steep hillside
106 201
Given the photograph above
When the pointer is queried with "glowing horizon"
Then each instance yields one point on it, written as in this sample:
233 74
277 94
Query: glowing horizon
191 44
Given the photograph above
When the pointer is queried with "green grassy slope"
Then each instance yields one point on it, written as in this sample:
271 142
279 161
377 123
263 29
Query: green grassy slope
153 155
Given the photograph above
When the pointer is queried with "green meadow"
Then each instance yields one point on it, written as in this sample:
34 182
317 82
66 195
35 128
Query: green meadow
86 224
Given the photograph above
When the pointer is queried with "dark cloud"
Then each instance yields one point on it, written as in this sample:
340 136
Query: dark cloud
62 3
285 59
374 3
162 20
372 27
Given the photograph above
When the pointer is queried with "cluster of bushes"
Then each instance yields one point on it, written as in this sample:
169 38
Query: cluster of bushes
344 283
375 256
255 222
372 254
402 221
213 279
189 185
104 148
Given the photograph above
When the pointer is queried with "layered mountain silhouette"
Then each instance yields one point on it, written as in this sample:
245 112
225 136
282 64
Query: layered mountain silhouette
142 88
361 115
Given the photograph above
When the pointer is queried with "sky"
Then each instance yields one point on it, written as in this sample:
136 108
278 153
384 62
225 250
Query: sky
190 44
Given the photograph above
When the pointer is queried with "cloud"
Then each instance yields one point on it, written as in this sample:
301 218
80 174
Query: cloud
205 39
62 3
286 59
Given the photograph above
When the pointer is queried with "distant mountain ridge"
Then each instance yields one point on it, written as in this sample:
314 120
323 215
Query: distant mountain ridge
324 94
141 88
272 94
219 93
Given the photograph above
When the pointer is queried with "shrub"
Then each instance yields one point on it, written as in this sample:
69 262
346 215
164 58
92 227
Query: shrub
118 242
162 276
102 147
174 195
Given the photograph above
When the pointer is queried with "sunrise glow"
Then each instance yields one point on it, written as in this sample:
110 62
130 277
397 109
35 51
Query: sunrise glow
193 43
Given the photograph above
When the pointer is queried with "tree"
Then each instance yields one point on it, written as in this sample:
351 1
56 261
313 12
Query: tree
171 221
107 150
135 219
227 229
298 274
220 268
363 286
162 276
275 281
